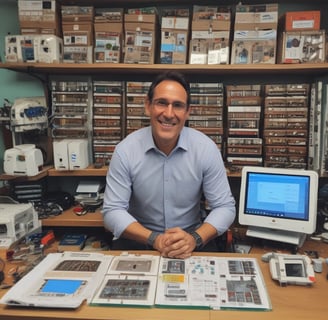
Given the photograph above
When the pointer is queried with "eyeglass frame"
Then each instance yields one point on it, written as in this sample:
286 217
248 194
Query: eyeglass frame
162 103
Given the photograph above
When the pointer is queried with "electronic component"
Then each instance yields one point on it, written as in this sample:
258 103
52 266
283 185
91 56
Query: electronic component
16 222
28 114
291 269
24 159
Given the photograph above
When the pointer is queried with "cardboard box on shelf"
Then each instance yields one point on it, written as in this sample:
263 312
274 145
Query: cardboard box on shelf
253 52
302 20
38 12
77 14
39 16
256 17
78 34
302 47
108 42
140 40
78 54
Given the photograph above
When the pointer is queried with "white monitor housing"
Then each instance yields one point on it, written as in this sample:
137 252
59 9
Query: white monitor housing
278 204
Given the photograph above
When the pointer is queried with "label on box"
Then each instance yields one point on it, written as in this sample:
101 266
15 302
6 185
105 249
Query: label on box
76 40
220 56
303 24
198 58
29 5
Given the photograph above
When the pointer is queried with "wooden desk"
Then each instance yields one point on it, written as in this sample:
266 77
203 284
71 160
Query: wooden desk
288 303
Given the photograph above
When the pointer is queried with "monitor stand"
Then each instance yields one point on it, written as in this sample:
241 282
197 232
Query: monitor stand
291 237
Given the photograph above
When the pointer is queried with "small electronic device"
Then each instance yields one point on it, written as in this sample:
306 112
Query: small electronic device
291 269
278 204
71 154
60 150
17 221
29 114
78 154
23 159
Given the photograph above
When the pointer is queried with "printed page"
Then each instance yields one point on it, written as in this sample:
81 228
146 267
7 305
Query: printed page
211 282
61 280
130 280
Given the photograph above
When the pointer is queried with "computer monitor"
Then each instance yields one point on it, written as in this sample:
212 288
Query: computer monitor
278 204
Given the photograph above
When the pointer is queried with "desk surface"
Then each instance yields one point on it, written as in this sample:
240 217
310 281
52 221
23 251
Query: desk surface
288 303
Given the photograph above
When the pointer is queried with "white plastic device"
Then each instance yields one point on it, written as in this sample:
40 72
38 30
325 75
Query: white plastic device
291 269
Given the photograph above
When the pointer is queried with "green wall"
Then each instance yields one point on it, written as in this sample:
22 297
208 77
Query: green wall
12 84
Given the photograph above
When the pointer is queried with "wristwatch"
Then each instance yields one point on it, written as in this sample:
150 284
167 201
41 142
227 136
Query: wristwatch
152 238
198 239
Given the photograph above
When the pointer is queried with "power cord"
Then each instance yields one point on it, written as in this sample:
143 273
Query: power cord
2 275
2 270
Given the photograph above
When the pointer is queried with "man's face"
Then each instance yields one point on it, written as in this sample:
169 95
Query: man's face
168 113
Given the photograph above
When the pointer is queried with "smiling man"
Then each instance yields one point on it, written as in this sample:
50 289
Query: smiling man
157 178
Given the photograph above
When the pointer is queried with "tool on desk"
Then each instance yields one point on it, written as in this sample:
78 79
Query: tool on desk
80 211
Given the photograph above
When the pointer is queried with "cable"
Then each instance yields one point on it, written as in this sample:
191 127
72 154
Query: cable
2 272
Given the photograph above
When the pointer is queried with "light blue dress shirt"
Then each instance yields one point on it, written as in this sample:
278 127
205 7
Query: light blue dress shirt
159 191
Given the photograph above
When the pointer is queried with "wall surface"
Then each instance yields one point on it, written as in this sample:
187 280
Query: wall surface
13 85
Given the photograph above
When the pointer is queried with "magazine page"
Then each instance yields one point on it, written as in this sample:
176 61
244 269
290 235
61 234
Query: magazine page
211 282
192 282
242 285
60 280
130 280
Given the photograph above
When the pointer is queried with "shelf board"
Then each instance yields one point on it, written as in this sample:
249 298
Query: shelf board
42 174
69 219
90 171
126 3
122 68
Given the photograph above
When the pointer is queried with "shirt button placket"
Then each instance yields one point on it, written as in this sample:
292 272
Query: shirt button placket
165 190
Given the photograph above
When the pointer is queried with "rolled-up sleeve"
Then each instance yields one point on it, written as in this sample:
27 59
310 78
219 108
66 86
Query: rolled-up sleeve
217 192
116 198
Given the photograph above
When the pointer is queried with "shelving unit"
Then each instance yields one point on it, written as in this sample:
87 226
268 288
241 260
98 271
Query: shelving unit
317 69
251 72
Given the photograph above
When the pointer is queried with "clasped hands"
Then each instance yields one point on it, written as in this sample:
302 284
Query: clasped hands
175 243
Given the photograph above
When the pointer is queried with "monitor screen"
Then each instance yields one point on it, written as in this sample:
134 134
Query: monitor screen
277 195
279 199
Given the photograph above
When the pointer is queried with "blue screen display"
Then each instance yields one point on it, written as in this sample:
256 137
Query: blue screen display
61 286
277 195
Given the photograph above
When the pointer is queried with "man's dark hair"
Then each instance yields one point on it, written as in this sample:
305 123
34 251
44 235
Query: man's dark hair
170 75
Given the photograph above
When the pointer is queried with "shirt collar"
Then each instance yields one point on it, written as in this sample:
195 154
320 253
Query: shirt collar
150 144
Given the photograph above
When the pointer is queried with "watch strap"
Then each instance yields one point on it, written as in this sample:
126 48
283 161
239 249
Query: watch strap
151 239
198 239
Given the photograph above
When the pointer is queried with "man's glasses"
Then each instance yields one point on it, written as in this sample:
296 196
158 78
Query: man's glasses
163 104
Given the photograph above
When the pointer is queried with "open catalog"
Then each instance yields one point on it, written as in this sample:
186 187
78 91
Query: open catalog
211 283
60 280
66 280
197 282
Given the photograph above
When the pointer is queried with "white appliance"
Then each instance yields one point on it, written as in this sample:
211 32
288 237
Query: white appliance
78 154
17 220
60 148
71 154
23 159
